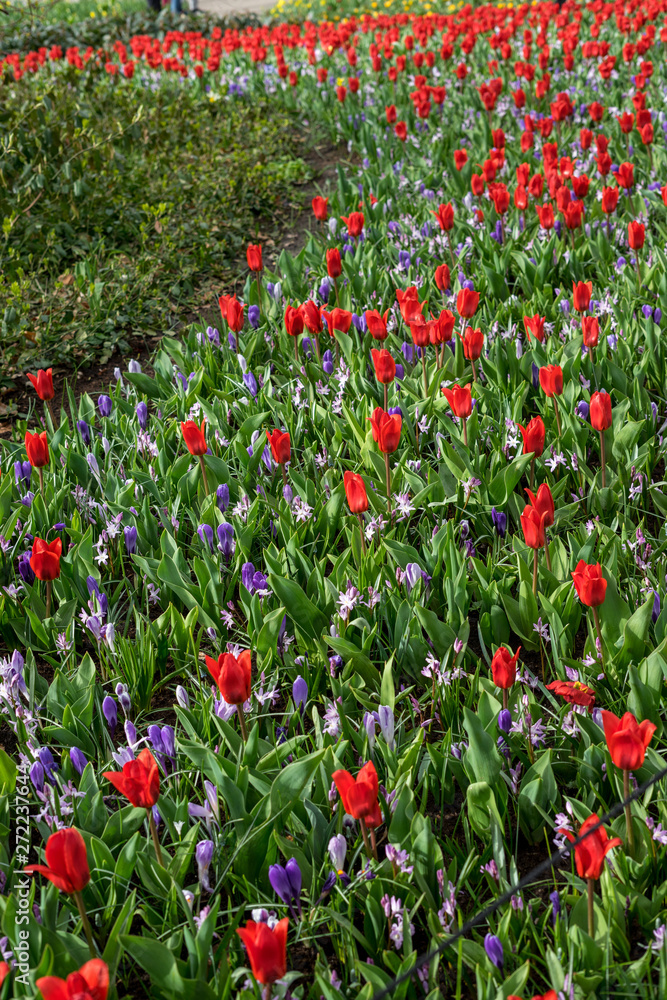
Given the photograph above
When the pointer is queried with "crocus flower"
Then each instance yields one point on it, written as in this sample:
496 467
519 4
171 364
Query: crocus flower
139 781
194 437
232 675
130 535
286 882
267 949
43 383
494 950
499 519
104 405
589 583
204 856
589 855
110 713
627 739
66 861
91 982
222 497
300 692
78 760
142 415
45 559
360 795
37 448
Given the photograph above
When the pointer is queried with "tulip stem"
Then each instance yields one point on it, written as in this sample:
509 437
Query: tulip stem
474 373
385 398
374 844
317 348
284 472
49 405
361 530
591 907
628 814
296 352
259 293
242 723
451 253
156 840
86 924
203 474
505 699
364 834
546 552
557 416
535 552
596 619
388 473
465 431
424 371
603 459
49 585
41 480
267 992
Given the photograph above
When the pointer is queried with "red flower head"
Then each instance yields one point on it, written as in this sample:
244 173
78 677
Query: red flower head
533 436
355 491
4 972
460 158
377 324
589 583
458 397
466 303
589 855
535 326
139 781
311 317
532 525
627 739
543 503
234 314
37 448
626 175
503 667
354 223
500 197
320 208
360 796
551 380
581 295
636 235
280 446
473 343
91 982
445 216
294 321
609 199
590 329
573 692
45 558
43 383
401 131
254 257
233 676
386 430
573 214
385 366
445 326
338 319
409 304
66 861
442 277
419 331
390 112
267 949
334 266
545 214
194 438
600 411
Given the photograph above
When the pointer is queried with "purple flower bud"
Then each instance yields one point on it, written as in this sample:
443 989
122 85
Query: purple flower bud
253 316
327 362
204 856
288 494
142 415
78 760
37 775
504 720
22 473
657 314
205 532
293 873
226 539
499 519
395 409
647 311
155 736
92 462
494 950
104 405
130 733
582 409
536 376
400 372
324 291
280 883
24 567
247 576
656 607
182 697
110 713
408 352
222 497
47 761
123 697
169 741
250 383
300 692
84 431
130 534
134 367
555 903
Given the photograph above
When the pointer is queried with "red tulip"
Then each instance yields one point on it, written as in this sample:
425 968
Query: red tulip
573 692
194 438
460 158
311 317
37 448
360 796
420 331
589 855
334 266
534 436
233 676
355 491
91 982
139 781
385 366
473 343
254 257
43 383
354 223
294 321
66 861
626 175
386 430
401 131
445 216
280 446
545 214
609 200
458 397
535 326
589 583
532 524
551 380
627 739
409 304
503 667
234 314
442 277
636 235
377 324
581 295
45 559
466 303
590 329
390 113
320 208
267 949
600 413
444 326
543 503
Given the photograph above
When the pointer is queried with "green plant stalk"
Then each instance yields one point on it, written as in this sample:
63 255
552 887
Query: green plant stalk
86 924
49 585
557 416
156 839
629 832
603 459
596 619
591 907
203 474
361 531
242 723
388 475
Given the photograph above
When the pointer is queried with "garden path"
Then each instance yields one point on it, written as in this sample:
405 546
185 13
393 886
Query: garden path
225 8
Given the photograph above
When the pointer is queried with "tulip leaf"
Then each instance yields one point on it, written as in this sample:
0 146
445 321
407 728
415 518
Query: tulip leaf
155 959
291 783
481 760
305 615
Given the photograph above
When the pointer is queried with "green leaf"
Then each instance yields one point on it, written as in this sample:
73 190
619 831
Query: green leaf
291 783
308 618
481 760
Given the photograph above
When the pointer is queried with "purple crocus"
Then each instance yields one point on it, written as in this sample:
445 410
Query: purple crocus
22 473
24 567
205 532
222 497
499 519
253 316
104 405
204 856
110 713
300 693
84 431
78 760
250 383
286 883
226 539
327 362
494 950
130 535
142 415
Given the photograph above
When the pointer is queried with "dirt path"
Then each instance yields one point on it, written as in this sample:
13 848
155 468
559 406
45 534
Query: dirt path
225 8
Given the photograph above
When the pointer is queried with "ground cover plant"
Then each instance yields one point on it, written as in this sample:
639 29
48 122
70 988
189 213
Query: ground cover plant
326 628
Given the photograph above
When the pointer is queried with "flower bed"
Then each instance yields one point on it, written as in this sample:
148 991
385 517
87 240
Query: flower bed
328 628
